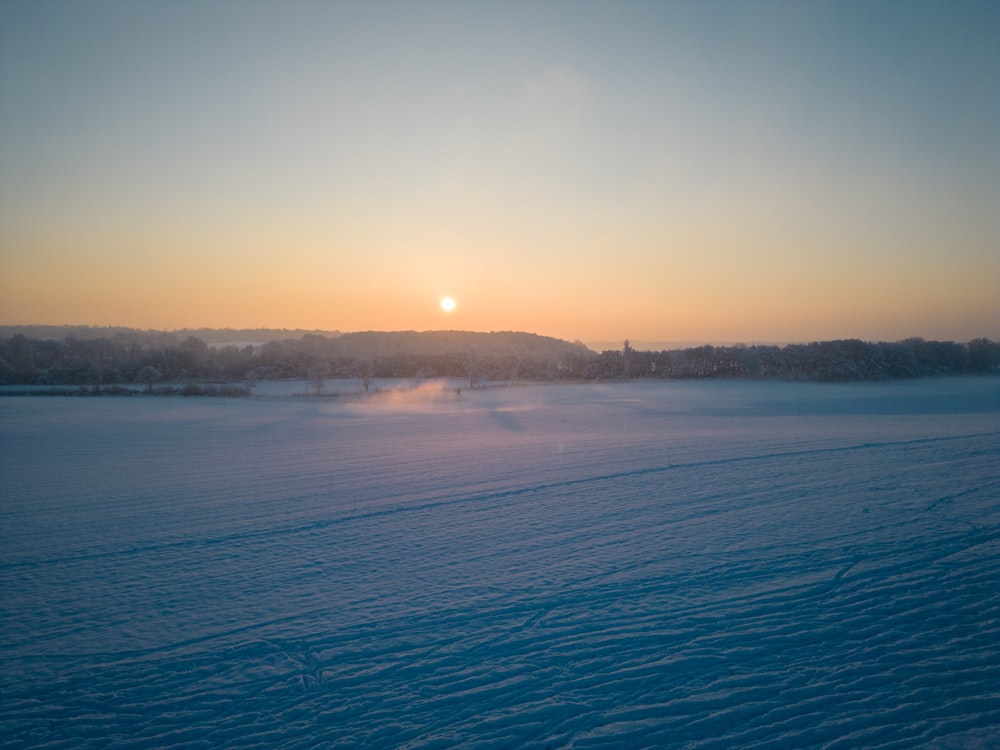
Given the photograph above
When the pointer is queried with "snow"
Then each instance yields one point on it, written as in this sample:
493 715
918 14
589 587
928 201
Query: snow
690 565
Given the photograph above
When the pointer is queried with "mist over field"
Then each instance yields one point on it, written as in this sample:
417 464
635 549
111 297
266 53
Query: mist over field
681 564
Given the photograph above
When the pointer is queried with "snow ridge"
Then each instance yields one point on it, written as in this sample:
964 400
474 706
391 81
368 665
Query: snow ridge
541 567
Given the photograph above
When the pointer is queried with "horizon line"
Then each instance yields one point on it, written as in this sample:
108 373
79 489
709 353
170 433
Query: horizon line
597 345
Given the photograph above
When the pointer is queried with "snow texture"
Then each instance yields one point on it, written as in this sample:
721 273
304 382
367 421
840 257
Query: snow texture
689 565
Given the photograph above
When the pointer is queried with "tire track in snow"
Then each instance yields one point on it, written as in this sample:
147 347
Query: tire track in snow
742 602
486 496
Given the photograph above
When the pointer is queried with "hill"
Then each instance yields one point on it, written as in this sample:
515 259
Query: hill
211 336
67 355
372 344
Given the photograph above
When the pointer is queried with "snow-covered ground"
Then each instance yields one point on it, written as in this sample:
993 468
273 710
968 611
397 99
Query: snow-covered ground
691 565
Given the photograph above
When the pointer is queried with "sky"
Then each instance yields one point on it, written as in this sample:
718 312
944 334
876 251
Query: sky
657 171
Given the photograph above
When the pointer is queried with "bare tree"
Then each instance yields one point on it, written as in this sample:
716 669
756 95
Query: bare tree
149 375
627 352
364 370
318 372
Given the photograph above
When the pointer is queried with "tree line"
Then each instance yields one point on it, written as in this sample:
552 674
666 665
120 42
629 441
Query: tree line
840 360
151 358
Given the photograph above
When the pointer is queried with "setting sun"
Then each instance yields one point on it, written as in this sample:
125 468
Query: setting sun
744 182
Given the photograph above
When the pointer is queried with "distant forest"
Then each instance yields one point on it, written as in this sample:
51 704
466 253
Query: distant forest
106 357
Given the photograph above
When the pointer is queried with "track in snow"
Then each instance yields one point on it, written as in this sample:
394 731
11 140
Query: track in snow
675 565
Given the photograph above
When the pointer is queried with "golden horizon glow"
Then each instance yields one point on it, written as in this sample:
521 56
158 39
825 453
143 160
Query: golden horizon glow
696 179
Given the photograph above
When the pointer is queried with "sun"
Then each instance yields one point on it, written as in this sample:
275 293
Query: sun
447 304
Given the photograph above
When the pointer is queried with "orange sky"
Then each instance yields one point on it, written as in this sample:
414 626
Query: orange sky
595 171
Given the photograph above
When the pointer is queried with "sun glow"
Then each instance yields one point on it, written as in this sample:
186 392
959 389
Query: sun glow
447 304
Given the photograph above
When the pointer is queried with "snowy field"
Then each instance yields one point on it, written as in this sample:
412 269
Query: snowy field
675 565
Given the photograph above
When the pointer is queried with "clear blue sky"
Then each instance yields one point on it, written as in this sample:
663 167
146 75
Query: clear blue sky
756 171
